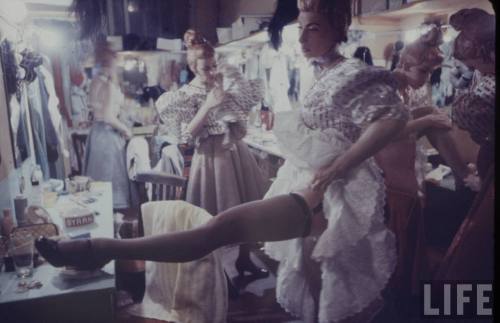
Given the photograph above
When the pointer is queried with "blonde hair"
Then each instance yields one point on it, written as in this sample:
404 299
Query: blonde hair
197 48
423 52
338 13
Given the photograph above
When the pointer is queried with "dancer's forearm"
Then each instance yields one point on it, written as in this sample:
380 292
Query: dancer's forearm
446 145
375 137
199 120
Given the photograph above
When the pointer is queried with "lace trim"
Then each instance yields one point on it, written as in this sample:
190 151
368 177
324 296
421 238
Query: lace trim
356 231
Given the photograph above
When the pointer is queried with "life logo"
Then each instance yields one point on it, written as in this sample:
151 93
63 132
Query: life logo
457 299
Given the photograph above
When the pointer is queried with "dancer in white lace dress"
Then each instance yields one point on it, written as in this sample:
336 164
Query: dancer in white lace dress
349 113
211 113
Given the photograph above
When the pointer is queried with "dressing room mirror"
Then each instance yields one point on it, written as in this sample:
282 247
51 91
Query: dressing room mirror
133 71
17 105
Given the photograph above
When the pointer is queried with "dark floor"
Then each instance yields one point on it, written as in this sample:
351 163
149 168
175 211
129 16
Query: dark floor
256 300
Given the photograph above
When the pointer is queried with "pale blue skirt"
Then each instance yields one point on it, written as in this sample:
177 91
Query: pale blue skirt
105 160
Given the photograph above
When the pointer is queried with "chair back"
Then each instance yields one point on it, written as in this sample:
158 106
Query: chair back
164 186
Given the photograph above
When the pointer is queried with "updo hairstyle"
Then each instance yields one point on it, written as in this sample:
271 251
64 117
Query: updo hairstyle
424 52
197 48
477 34
338 13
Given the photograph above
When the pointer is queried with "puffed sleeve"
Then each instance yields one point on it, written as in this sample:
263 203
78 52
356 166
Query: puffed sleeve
176 110
474 111
374 97
241 95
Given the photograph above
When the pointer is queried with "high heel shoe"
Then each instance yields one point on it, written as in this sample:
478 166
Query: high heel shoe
246 265
81 258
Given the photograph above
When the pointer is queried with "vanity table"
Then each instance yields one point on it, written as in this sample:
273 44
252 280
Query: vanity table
61 299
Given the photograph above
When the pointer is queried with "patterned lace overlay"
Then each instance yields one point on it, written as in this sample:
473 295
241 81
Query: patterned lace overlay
474 110
350 96
178 108
356 252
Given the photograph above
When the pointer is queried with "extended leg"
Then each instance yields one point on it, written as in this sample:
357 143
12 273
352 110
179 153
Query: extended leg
279 218
274 219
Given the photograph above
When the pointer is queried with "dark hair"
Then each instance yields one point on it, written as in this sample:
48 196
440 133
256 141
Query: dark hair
91 14
337 11
363 53
286 12
477 33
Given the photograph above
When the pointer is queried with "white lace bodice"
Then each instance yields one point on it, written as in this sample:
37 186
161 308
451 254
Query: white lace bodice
349 96
419 97
178 108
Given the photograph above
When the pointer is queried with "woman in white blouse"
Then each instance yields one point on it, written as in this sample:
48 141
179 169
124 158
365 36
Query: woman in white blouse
211 113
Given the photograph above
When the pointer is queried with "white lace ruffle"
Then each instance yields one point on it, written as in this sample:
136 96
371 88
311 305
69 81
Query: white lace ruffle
357 252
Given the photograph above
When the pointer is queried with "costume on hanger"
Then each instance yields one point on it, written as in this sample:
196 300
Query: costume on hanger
19 122
38 127
223 171
356 252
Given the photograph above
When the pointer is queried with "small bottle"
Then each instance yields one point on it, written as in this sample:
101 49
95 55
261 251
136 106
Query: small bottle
36 186
7 222
266 117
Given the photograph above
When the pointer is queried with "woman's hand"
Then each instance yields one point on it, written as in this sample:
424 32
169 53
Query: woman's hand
326 175
214 97
127 133
438 120
472 180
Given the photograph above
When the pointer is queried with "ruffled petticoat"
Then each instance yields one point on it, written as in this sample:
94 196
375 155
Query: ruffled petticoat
357 253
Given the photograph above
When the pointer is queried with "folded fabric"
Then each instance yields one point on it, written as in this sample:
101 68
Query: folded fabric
189 292
137 156
171 161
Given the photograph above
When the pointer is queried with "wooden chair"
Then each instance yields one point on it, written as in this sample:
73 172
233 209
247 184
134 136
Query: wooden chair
164 186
